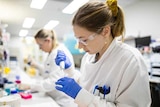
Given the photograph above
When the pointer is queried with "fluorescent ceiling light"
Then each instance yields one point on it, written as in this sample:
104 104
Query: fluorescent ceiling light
28 22
51 24
23 33
38 4
73 6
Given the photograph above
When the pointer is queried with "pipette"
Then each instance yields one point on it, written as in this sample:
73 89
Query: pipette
62 67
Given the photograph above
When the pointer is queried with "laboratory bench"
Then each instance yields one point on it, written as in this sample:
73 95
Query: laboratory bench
155 91
154 79
153 64
42 100
38 99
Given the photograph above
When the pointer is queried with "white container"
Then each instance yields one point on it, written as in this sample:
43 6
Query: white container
1 92
6 106
11 100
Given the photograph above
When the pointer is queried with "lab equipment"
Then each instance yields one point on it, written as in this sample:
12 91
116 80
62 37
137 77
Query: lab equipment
1 92
68 86
103 90
8 86
1 81
143 41
18 81
25 95
62 65
62 57
13 90
11 100
6 70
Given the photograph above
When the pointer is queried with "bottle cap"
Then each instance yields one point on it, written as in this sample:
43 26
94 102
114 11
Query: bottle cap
13 90
17 77
18 81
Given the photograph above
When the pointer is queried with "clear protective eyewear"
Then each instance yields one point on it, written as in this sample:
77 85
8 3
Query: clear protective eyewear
90 38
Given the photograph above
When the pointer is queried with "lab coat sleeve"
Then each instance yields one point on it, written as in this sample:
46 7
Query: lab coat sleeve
133 90
73 73
37 86
47 84
40 68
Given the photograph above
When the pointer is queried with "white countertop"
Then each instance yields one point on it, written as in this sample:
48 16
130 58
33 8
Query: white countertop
39 100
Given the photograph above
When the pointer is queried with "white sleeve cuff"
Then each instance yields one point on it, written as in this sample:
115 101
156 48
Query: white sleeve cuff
84 98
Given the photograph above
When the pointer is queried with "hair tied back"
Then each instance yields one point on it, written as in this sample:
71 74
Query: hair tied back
112 4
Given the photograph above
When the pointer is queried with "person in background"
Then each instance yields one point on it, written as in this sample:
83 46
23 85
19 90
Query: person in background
113 74
50 72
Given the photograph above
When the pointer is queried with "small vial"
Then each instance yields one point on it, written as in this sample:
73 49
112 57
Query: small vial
17 81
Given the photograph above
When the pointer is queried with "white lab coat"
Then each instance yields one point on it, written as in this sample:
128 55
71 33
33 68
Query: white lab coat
50 74
123 69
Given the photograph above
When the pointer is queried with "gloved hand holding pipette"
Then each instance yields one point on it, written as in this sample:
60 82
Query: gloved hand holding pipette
62 60
66 84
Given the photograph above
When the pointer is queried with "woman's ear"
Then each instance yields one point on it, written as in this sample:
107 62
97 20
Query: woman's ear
106 31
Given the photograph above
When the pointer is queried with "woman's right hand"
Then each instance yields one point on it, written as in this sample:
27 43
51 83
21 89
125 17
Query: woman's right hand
24 86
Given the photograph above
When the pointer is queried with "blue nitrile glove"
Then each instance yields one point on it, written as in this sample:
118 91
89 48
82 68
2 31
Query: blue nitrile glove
68 86
62 57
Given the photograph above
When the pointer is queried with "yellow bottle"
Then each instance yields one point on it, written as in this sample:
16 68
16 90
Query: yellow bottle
31 71
7 70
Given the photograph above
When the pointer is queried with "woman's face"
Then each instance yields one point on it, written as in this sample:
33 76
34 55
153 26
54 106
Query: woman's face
90 42
44 44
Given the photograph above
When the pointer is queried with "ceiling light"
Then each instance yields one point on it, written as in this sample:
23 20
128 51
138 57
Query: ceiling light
51 24
38 4
23 33
73 6
28 22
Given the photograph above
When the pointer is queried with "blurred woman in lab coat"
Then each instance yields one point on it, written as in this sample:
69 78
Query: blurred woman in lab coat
50 72
114 74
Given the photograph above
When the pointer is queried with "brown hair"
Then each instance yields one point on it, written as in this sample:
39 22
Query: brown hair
43 33
94 16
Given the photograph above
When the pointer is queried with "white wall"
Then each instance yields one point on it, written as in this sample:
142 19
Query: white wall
143 18
24 47
16 47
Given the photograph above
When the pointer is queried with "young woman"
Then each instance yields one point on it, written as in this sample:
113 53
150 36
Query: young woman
50 72
114 74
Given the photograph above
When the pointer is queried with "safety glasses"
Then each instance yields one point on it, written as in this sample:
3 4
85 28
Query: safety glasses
90 38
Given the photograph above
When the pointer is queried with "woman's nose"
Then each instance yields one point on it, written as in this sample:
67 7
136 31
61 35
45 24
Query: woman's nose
80 45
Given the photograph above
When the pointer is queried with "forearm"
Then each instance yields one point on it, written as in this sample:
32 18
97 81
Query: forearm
43 85
73 73
39 67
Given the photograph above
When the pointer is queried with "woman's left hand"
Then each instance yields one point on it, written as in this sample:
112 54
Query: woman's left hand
68 86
